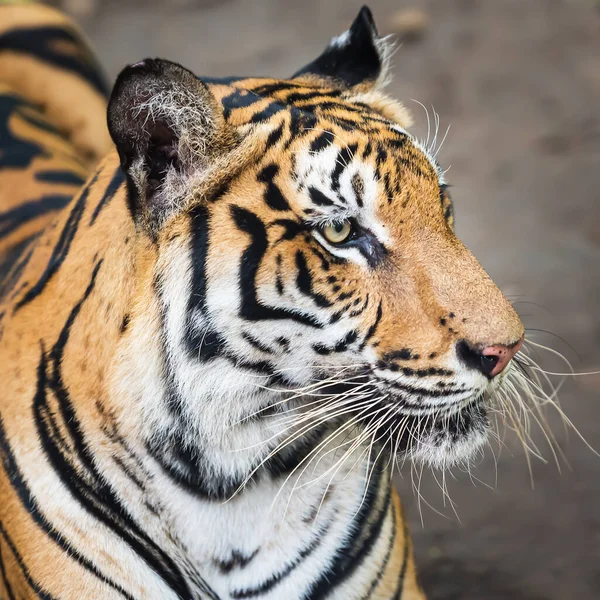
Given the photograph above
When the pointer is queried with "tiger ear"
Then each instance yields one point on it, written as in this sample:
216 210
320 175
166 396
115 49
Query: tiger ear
357 57
168 128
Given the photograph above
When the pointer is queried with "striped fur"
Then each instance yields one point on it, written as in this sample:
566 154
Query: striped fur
202 393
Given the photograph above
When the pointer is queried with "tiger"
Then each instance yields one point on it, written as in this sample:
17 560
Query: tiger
229 307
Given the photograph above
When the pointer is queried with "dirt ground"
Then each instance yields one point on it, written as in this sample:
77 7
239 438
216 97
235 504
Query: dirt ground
519 83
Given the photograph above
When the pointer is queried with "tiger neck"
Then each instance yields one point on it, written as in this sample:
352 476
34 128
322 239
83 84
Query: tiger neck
212 493
293 521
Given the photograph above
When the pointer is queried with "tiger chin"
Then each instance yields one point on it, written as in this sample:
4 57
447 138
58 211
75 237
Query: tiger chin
214 344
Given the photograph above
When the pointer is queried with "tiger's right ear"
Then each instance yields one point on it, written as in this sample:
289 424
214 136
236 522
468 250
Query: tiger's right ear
168 129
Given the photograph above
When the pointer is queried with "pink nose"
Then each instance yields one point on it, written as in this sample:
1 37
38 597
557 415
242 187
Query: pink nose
495 359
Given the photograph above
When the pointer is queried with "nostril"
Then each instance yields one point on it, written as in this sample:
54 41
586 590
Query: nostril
488 364
474 358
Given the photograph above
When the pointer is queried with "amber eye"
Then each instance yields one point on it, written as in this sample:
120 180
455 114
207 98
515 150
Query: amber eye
337 233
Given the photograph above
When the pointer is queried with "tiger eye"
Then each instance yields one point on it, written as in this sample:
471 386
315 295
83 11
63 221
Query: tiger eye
337 233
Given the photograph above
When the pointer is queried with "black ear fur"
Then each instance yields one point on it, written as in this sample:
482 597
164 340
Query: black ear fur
353 58
165 124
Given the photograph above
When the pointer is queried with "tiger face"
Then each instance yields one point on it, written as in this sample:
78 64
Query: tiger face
301 267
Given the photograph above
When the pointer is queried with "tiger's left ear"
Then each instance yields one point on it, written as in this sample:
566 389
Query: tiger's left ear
170 133
358 58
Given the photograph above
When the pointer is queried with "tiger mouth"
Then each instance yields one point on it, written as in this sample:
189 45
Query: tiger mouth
461 422
444 432
440 438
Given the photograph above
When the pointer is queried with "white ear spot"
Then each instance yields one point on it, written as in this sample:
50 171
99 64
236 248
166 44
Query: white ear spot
341 40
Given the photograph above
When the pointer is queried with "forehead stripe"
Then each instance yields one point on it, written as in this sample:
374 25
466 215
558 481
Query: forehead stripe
344 157
319 198
273 195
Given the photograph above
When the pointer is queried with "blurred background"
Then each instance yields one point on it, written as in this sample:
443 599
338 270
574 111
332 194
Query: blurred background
518 81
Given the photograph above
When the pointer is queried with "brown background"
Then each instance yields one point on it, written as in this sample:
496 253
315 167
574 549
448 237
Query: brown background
519 81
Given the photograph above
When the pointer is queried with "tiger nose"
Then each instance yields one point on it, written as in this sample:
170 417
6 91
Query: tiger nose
491 360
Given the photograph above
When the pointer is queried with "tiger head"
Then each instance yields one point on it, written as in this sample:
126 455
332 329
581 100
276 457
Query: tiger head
298 255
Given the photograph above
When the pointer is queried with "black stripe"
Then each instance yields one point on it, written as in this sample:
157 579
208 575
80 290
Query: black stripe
324 262
304 281
381 156
14 274
360 310
292 229
200 231
250 307
115 183
358 186
373 328
15 151
415 391
61 177
239 98
386 559
185 466
111 430
274 137
125 323
398 594
423 171
267 89
39 592
30 210
400 142
322 141
301 123
273 195
42 42
205 344
274 580
5 581
402 354
37 120
340 346
344 158
345 107
351 126
60 251
237 561
312 95
283 342
266 113
290 457
278 276
258 344
319 198
389 192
